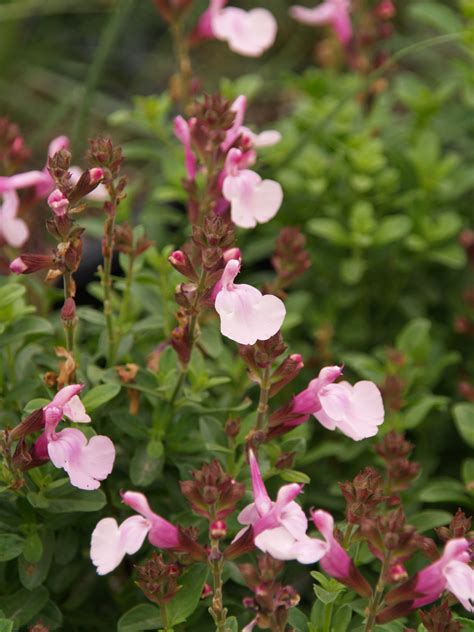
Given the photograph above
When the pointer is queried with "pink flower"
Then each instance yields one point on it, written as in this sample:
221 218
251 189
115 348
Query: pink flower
278 526
13 230
41 180
86 463
332 12
182 130
264 139
248 33
356 410
451 572
246 315
252 200
58 203
111 542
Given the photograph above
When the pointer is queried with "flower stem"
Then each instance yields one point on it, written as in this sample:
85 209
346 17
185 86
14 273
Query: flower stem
127 290
108 252
164 618
262 408
327 617
69 325
184 62
217 610
377 597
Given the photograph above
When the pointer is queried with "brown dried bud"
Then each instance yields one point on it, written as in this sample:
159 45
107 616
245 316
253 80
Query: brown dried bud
440 619
182 263
68 310
232 427
290 260
362 495
285 461
39 626
459 527
286 372
157 580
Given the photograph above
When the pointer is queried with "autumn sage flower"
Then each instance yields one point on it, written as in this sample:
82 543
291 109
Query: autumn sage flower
86 462
356 410
246 315
13 230
248 33
279 525
252 200
335 13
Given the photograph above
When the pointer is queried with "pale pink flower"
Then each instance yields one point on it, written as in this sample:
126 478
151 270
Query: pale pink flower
451 572
86 462
356 410
41 180
13 230
252 200
111 542
246 315
58 203
182 130
248 33
332 12
264 139
278 526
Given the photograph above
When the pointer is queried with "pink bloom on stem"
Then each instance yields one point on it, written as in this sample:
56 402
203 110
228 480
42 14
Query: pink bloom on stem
41 180
248 33
58 203
246 315
86 462
182 130
335 562
356 410
278 526
264 139
332 12
111 542
252 200
451 572
13 230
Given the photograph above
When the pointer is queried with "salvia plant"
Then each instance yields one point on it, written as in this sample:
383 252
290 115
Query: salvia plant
236 421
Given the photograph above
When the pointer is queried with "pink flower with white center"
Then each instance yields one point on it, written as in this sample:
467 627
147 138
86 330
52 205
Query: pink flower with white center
182 130
58 203
277 526
111 542
356 410
41 180
252 200
451 572
248 33
13 230
332 12
264 139
86 462
247 315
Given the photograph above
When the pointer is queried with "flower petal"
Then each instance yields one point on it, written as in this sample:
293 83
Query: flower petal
110 543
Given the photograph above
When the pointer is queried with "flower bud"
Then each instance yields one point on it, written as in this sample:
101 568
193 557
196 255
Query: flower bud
218 530
58 203
68 310
182 263
26 264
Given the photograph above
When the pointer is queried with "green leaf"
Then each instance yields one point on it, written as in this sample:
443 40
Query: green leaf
11 546
329 229
341 619
28 326
187 599
426 520
414 339
51 616
447 490
436 15
415 414
324 595
391 229
468 473
6 625
33 574
68 499
33 549
464 420
142 617
293 476
23 605
100 395
10 293
298 620
369 368
144 469
451 256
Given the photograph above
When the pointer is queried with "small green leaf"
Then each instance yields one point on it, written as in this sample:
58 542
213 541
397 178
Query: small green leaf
33 574
329 229
28 326
6 625
142 617
11 546
68 499
426 520
341 619
293 476
464 420
23 605
414 339
33 549
187 599
447 490
100 395
144 469
468 473
392 228
415 414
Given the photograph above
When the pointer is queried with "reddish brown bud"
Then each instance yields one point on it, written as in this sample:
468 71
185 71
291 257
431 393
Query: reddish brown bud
218 530
68 310
182 263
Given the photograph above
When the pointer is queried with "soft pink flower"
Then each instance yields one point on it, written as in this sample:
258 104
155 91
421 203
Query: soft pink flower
451 572
41 180
356 410
58 203
246 315
13 230
252 200
86 462
264 139
248 33
278 526
111 542
332 12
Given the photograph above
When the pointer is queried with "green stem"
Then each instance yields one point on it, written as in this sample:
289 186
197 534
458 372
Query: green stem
262 408
327 617
108 251
184 62
348 535
218 612
165 619
127 290
69 325
377 597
